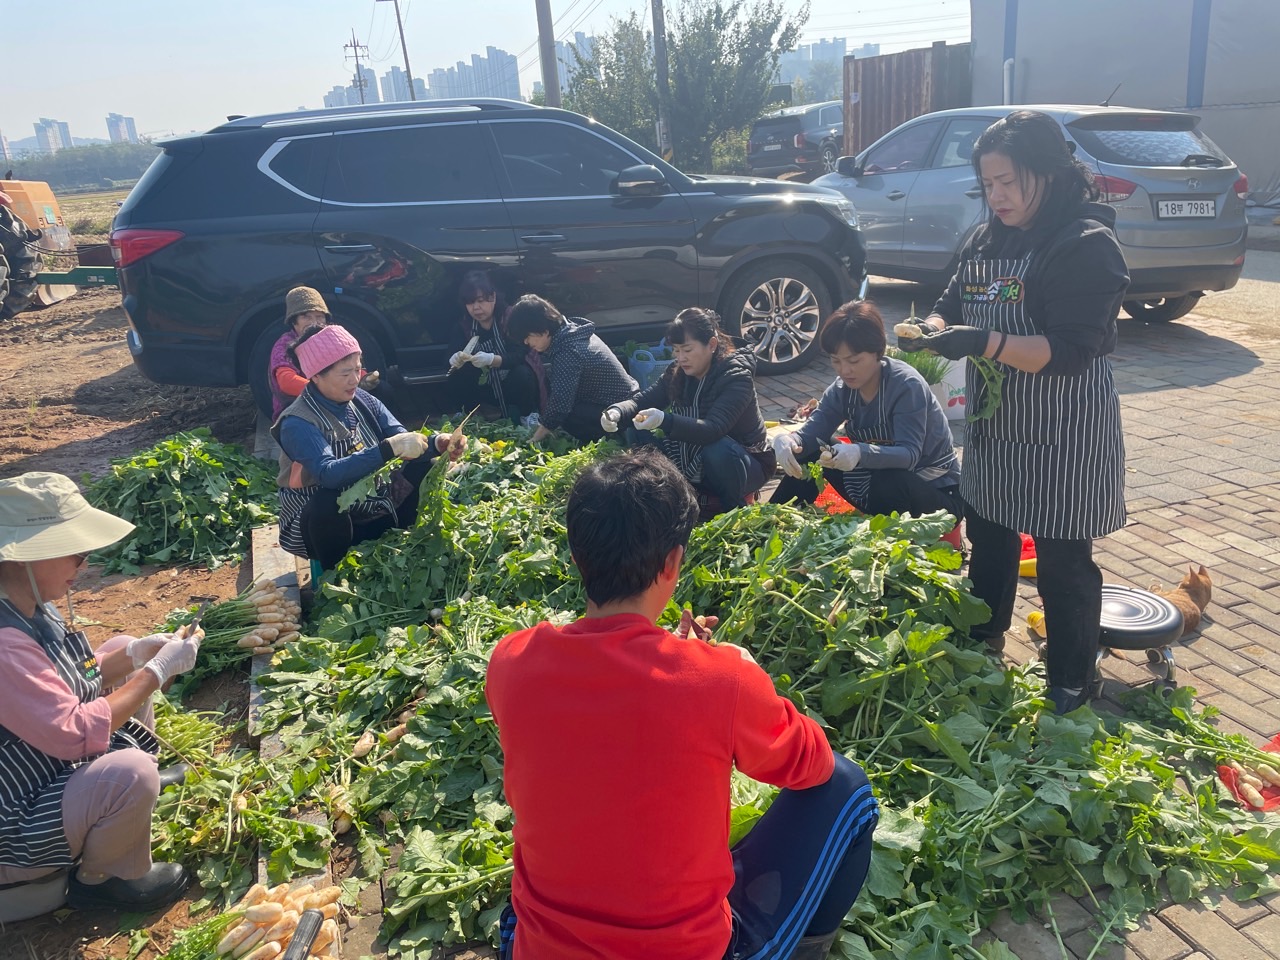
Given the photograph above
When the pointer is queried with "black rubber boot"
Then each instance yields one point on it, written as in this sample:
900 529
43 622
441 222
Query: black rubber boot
170 776
814 948
160 887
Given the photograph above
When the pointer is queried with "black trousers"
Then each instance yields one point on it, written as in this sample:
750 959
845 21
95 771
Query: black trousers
329 533
1069 583
900 491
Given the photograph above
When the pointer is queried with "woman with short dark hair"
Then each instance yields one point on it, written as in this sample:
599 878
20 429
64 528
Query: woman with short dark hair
578 374
1038 289
706 406
485 365
899 458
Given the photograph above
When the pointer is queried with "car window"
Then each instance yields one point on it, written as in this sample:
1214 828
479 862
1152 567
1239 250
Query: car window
832 116
440 162
1153 140
907 150
549 159
302 163
956 149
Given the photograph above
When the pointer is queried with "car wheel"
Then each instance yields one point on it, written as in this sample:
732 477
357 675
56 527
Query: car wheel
829 158
1162 310
260 356
775 308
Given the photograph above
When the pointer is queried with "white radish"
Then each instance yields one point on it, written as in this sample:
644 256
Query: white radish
265 912
252 895
265 952
248 943
282 926
249 641
366 743
235 936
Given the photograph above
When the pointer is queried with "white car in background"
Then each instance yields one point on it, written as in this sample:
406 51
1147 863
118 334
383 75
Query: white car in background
1179 199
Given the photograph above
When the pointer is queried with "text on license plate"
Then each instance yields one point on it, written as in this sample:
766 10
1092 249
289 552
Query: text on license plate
1166 209
773 146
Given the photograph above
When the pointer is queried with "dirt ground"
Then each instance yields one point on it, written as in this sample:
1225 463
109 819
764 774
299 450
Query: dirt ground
71 401
71 398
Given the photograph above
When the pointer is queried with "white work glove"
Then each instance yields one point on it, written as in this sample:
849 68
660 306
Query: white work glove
174 658
842 456
649 419
531 422
483 359
785 449
142 649
609 420
408 446
458 359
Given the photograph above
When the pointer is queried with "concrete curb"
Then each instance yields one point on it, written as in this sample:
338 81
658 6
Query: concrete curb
272 563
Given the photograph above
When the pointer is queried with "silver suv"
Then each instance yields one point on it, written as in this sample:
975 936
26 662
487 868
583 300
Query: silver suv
1180 212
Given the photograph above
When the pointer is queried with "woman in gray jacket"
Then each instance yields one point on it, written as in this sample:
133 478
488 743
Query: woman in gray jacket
900 456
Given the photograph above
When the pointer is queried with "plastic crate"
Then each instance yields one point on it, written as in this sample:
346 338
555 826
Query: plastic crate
645 365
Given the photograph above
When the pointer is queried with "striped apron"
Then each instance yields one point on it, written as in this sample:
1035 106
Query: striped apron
360 431
686 456
31 782
492 341
1050 462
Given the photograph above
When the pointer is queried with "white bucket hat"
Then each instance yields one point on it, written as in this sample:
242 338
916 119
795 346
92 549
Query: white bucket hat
43 517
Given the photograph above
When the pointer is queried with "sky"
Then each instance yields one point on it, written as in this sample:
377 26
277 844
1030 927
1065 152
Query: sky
181 65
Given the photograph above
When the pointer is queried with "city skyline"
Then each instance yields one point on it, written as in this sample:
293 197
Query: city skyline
182 67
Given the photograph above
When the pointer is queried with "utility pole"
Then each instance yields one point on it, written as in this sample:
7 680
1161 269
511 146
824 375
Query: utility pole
404 48
355 47
547 53
664 85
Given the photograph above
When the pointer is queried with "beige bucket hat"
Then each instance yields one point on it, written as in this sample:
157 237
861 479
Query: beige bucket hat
303 300
43 516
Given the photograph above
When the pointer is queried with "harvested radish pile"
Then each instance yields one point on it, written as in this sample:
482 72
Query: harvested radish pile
260 620
264 923
988 802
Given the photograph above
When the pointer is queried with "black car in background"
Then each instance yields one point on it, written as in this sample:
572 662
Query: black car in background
805 139
384 208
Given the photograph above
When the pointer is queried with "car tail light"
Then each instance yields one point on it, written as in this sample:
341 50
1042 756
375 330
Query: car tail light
1242 186
131 245
800 141
1114 189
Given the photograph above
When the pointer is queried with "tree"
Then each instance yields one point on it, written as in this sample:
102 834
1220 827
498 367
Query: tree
724 56
615 83
825 82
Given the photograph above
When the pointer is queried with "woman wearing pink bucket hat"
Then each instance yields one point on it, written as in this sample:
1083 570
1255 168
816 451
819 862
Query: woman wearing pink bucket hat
334 435
78 777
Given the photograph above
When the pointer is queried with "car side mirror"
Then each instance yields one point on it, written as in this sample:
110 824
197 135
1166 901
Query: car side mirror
644 180
849 167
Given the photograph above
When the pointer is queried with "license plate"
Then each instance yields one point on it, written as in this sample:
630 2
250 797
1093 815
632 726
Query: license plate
773 146
1178 209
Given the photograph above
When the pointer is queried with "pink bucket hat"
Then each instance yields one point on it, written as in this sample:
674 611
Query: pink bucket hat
325 349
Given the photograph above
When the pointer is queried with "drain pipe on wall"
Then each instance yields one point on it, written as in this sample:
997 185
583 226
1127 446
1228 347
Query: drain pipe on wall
1008 81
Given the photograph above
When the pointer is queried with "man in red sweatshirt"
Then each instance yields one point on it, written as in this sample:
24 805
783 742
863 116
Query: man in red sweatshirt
619 739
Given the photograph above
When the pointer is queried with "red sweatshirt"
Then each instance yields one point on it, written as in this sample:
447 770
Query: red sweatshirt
619 740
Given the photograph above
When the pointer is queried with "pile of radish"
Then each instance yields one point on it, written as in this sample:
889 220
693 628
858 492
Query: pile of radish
270 919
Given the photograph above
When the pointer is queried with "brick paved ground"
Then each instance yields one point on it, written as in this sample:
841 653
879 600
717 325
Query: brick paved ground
1202 433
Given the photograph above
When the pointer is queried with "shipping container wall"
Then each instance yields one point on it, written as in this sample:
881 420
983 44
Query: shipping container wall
882 92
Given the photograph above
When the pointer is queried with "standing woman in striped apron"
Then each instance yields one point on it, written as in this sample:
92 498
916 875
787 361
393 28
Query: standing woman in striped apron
78 776
1038 290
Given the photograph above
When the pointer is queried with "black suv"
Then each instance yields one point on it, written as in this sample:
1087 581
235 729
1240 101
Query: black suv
384 208
804 139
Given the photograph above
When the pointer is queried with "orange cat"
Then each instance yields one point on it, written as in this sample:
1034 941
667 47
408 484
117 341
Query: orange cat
1191 596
